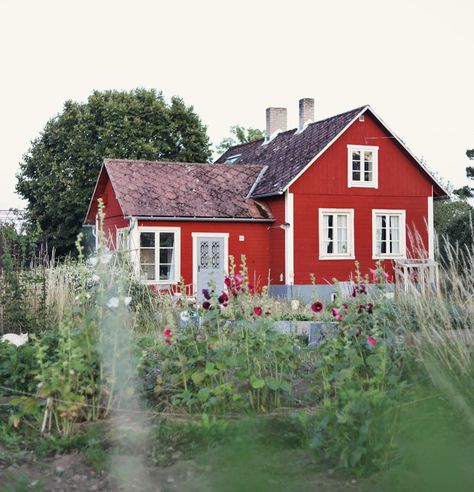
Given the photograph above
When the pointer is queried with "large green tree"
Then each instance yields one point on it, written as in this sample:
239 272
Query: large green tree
58 173
238 135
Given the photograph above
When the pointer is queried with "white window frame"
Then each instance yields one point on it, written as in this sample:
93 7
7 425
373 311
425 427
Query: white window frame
375 166
122 236
403 231
177 243
350 255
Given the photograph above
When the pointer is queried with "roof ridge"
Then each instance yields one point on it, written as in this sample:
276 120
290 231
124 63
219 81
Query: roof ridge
143 161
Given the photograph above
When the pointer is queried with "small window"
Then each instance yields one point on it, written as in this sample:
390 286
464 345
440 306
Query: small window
159 256
122 239
362 166
388 233
336 234
232 159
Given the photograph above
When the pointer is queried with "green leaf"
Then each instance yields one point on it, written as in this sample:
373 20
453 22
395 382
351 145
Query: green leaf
198 377
257 383
204 394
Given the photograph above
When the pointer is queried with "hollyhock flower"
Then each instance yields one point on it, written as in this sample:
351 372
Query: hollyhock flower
337 314
370 308
206 305
356 332
238 279
250 286
361 308
167 332
316 307
168 343
154 288
258 310
227 281
267 313
345 306
233 292
223 298
371 341
206 294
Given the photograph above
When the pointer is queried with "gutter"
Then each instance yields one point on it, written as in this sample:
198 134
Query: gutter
197 219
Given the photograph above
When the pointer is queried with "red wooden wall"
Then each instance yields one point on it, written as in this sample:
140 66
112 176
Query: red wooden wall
401 185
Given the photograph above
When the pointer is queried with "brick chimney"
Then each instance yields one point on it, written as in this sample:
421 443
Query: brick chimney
276 120
306 111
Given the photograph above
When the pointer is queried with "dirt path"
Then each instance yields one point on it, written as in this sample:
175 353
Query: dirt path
72 472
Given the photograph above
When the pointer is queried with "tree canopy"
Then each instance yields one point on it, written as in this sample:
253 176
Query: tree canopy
58 173
239 135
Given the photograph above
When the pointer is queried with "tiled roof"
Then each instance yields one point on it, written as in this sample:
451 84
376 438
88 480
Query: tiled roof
170 189
289 152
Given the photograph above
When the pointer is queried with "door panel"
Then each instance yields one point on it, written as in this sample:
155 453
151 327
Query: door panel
210 257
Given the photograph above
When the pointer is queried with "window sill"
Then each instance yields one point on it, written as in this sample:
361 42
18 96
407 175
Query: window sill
389 257
337 257
362 185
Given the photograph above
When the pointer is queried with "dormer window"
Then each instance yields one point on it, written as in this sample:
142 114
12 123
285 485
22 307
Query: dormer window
362 166
232 159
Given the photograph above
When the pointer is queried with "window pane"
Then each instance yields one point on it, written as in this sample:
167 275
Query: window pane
355 156
329 247
167 239
148 272
147 239
166 255
368 156
367 176
367 166
356 166
356 176
328 220
147 256
166 272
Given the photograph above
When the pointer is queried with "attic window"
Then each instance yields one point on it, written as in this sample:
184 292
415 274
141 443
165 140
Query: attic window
232 159
362 166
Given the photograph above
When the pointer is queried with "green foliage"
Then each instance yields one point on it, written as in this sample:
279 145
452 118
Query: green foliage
239 135
58 174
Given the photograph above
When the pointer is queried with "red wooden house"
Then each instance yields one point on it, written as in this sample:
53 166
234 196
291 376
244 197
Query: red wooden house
301 202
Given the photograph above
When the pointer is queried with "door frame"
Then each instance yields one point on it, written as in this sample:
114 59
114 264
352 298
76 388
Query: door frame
196 235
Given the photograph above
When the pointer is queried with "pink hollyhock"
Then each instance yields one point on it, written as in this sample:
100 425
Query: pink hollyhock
258 310
337 314
167 332
238 279
316 307
227 281
206 305
371 341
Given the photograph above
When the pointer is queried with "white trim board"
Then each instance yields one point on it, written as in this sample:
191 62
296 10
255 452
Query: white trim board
195 236
289 239
375 166
431 233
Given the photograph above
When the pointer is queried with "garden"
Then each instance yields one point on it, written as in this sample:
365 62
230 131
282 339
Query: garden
122 387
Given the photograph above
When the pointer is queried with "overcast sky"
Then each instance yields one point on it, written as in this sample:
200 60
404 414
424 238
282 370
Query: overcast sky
412 61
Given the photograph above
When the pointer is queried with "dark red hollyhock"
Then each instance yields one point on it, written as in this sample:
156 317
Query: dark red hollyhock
206 294
316 307
227 281
250 286
361 289
167 332
267 313
223 298
370 308
258 310
167 343
345 306
206 305
361 308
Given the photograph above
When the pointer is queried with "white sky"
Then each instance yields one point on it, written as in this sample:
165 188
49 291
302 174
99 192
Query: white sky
412 61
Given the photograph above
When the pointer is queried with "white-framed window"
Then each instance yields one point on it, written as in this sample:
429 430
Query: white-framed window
362 166
336 234
122 238
159 254
389 234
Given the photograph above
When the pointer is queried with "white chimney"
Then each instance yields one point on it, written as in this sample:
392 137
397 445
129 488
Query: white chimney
306 112
276 121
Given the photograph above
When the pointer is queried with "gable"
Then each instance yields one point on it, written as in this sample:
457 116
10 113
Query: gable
398 173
